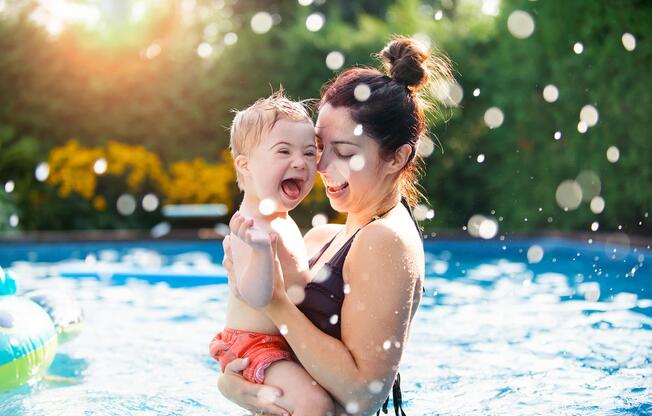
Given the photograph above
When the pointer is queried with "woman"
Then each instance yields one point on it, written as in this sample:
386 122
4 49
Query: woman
350 330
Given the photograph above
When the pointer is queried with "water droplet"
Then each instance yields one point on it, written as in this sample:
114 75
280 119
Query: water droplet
597 205
333 319
283 329
520 24
425 147
150 202
267 207
488 229
42 172
589 115
535 254
322 275
578 48
568 195
550 93
480 158
352 407
315 21
334 60
557 135
590 183
230 38
160 229
347 289
357 162
423 39
375 387
629 41
439 14
204 50
152 51
296 294
13 220
126 204
261 22
420 212
493 117
387 344
491 7
361 92
595 225
613 154
266 395
100 166
476 92
305 2
582 127
10 186
319 219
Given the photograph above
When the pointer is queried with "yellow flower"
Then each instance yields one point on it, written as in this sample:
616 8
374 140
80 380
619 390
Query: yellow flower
192 182
99 203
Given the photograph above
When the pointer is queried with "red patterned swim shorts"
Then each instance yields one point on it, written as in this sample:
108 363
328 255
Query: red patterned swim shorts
261 349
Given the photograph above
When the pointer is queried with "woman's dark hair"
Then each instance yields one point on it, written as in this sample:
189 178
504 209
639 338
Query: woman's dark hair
394 112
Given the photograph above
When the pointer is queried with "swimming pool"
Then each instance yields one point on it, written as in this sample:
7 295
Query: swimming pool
495 334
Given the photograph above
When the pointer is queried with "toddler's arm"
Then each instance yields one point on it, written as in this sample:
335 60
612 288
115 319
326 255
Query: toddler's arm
253 261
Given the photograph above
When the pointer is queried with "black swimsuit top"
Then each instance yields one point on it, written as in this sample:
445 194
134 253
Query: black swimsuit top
324 296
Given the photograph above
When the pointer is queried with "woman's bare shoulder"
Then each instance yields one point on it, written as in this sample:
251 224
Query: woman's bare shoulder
387 243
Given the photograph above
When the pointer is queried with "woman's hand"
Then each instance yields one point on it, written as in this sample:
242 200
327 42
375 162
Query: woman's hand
279 294
257 398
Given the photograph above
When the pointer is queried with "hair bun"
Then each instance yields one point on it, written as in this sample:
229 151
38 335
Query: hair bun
406 62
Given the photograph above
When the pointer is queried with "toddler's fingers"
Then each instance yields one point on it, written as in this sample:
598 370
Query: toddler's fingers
234 218
236 223
226 244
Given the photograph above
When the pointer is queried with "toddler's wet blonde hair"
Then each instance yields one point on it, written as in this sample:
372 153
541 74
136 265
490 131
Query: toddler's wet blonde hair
251 124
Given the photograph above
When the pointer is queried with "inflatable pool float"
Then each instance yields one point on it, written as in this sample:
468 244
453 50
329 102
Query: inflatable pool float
31 327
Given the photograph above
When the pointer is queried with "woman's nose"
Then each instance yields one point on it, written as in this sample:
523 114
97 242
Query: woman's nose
321 163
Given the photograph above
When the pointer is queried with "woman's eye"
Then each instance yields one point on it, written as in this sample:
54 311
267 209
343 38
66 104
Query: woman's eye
284 151
310 154
342 155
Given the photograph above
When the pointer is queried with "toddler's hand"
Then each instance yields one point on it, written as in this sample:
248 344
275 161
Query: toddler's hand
246 230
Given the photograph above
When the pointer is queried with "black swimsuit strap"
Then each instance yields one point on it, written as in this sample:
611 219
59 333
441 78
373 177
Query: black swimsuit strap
317 256
416 224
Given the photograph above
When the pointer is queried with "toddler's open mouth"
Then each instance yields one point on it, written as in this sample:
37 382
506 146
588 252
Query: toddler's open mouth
292 188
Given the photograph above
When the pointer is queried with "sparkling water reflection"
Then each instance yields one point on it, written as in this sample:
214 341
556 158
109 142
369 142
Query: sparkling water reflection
570 334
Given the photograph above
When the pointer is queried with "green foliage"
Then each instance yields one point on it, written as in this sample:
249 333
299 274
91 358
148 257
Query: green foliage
524 164
97 88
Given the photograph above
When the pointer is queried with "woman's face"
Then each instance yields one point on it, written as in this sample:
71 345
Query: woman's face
350 163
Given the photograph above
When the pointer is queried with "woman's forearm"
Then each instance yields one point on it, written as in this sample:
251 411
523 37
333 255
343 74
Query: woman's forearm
325 358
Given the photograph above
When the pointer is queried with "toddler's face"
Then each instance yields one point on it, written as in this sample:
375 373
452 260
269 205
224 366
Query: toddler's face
283 165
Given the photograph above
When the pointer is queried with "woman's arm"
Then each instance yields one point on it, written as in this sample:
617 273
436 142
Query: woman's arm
375 321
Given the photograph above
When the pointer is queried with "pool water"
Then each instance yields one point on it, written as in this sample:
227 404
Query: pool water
495 334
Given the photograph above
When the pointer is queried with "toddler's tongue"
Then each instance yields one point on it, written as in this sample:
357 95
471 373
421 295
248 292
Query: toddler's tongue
291 188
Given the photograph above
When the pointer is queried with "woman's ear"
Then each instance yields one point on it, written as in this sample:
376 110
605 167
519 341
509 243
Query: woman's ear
401 158
242 164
